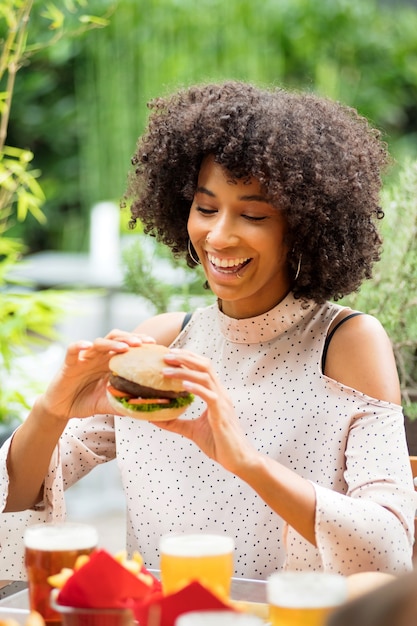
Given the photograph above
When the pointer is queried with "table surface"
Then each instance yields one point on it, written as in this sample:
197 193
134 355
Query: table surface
9 591
14 594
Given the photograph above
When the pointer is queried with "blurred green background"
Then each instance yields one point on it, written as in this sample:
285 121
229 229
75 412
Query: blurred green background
80 104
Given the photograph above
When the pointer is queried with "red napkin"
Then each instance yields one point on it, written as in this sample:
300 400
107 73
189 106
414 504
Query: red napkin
159 610
104 583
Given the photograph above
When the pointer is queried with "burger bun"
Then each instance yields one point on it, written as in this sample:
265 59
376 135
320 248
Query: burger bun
144 365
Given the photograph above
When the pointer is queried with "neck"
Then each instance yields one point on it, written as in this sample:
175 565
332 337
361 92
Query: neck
238 310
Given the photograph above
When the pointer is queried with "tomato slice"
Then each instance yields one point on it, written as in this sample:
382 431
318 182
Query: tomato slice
117 393
149 401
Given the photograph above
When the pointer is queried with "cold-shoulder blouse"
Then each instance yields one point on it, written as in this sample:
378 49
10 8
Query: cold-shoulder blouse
350 446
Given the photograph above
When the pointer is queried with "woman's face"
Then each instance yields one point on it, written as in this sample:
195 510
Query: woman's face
241 241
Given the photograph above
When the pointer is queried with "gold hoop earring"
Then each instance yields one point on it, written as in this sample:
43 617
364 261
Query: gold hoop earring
297 273
196 261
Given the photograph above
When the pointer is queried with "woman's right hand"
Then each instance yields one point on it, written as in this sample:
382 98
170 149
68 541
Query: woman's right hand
79 388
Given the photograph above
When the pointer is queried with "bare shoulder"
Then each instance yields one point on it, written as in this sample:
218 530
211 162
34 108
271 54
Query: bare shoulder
164 328
360 355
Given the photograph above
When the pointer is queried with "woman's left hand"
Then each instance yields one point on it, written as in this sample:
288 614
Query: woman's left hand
217 431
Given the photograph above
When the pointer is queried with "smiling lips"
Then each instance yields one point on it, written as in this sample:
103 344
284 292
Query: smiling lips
228 266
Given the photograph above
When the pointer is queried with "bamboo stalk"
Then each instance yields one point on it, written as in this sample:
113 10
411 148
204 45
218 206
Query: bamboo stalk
10 62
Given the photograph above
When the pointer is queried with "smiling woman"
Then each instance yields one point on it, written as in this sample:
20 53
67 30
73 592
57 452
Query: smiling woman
316 160
294 445
240 240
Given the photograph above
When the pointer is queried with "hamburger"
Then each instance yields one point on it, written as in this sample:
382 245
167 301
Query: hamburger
138 388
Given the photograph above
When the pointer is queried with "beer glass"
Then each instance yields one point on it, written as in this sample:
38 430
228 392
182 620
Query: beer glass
207 559
218 618
304 598
48 549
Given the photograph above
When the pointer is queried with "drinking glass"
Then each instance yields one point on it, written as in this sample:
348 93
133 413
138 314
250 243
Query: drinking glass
304 598
48 549
207 559
218 618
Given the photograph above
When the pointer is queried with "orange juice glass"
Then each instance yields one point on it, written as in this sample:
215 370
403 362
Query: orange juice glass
304 598
207 559
49 548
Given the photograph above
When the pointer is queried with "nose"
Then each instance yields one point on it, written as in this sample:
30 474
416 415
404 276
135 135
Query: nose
223 233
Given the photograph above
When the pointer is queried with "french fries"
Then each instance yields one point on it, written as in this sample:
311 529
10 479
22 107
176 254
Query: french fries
133 565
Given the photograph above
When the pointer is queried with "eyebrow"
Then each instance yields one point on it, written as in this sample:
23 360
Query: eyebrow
249 198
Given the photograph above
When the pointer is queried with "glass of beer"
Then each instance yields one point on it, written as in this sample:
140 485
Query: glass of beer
48 549
207 559
304 598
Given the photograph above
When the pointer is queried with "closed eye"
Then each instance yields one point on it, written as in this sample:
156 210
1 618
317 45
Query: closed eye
253 218
206 211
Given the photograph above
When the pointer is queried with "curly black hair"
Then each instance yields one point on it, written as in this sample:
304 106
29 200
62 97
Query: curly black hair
317 160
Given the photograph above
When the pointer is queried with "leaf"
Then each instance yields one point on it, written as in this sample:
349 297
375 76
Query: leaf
54 15
94 19
29 203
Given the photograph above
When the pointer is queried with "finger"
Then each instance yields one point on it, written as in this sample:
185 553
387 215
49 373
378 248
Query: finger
74 349
103 347
208 394
179 426
133 339
184 358
194 380
116 344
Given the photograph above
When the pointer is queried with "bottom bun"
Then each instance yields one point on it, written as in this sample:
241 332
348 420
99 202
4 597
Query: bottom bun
160 415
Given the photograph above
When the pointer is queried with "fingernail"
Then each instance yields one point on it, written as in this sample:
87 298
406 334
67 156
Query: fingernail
85 344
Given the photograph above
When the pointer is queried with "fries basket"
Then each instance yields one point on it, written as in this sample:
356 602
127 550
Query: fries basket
75 616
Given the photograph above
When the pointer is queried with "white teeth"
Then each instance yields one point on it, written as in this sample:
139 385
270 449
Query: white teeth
226 262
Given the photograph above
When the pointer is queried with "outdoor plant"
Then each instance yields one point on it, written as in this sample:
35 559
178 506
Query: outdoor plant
167 283
27 317
392 294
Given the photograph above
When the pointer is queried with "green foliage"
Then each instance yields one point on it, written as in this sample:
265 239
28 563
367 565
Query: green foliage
27 318
18 184
40 41
27 322
81 104
392 293
167 283
354 51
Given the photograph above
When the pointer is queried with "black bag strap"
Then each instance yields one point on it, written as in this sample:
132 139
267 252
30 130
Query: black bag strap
186 319
330 335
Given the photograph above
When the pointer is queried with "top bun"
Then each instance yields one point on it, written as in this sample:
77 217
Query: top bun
143 365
